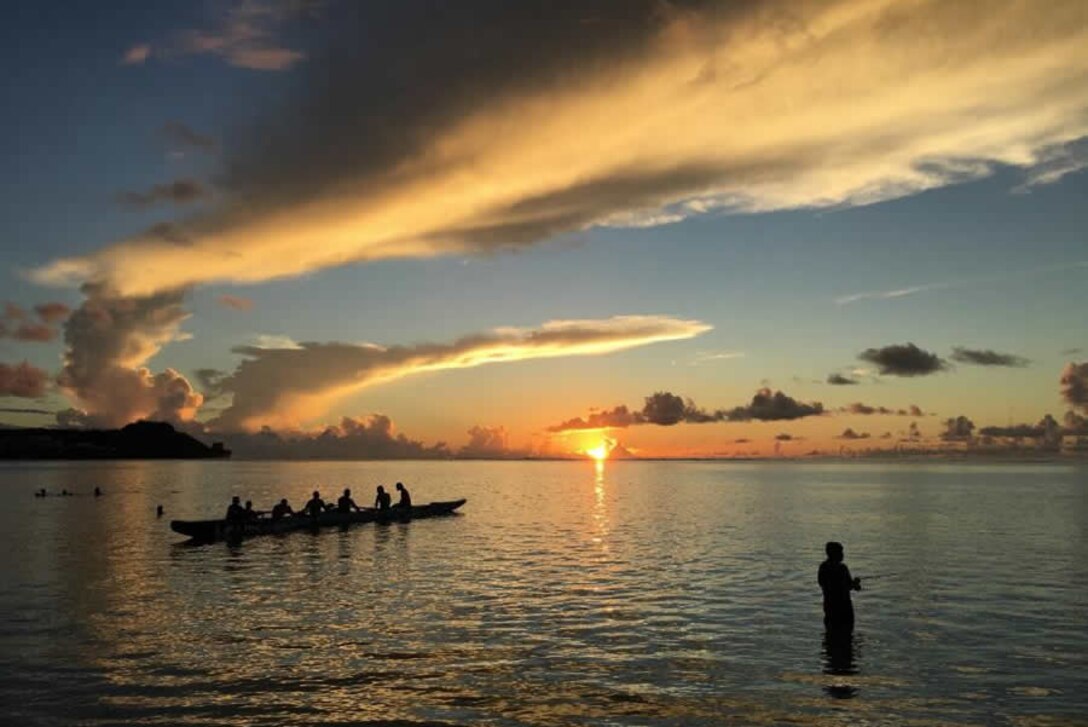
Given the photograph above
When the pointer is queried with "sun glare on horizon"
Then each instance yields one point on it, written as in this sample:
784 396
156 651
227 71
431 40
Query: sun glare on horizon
600 452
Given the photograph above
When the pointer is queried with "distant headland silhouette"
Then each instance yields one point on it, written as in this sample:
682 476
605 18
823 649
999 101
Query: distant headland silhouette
139 440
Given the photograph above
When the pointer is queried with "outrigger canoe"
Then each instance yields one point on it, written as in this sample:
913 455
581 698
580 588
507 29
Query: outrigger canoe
212 530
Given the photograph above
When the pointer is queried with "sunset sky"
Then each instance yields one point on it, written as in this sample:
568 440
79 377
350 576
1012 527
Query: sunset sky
508 226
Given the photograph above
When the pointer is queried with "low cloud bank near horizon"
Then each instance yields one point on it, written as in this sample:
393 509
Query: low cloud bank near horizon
512 125
368 437
866 410
665 409
110 339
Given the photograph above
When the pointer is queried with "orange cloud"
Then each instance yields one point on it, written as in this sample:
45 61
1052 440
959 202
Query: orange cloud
23 380
797 104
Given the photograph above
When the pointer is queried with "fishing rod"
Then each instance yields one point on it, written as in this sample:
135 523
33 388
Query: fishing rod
878 575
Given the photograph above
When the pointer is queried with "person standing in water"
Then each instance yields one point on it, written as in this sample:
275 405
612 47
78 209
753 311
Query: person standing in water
836 583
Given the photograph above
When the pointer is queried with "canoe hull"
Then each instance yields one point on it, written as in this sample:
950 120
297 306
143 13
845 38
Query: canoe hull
211 530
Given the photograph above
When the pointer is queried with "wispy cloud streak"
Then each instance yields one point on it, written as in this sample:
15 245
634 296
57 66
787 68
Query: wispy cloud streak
286 387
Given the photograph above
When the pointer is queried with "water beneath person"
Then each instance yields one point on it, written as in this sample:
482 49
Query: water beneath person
643 593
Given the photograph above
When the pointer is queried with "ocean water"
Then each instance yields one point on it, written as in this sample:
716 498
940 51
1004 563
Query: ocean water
641 593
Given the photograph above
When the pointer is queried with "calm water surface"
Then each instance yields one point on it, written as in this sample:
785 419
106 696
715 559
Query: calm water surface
636 593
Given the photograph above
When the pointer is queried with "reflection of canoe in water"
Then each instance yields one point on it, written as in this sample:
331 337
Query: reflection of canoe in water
209 530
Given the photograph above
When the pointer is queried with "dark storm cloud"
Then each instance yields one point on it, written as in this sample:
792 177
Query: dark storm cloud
180 191
903 360
840 380
986 357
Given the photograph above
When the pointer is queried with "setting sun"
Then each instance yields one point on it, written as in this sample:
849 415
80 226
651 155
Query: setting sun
599 453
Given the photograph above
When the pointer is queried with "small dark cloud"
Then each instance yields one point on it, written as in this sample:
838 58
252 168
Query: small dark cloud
742 440
235 302
16 410
773 406
986 357
849 433
784 437
957 429
180 191
665 409
34 332
903 360
1074 385
837 379
52 312
1072 351
23 381
866 410
886 435
183 137
17 323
